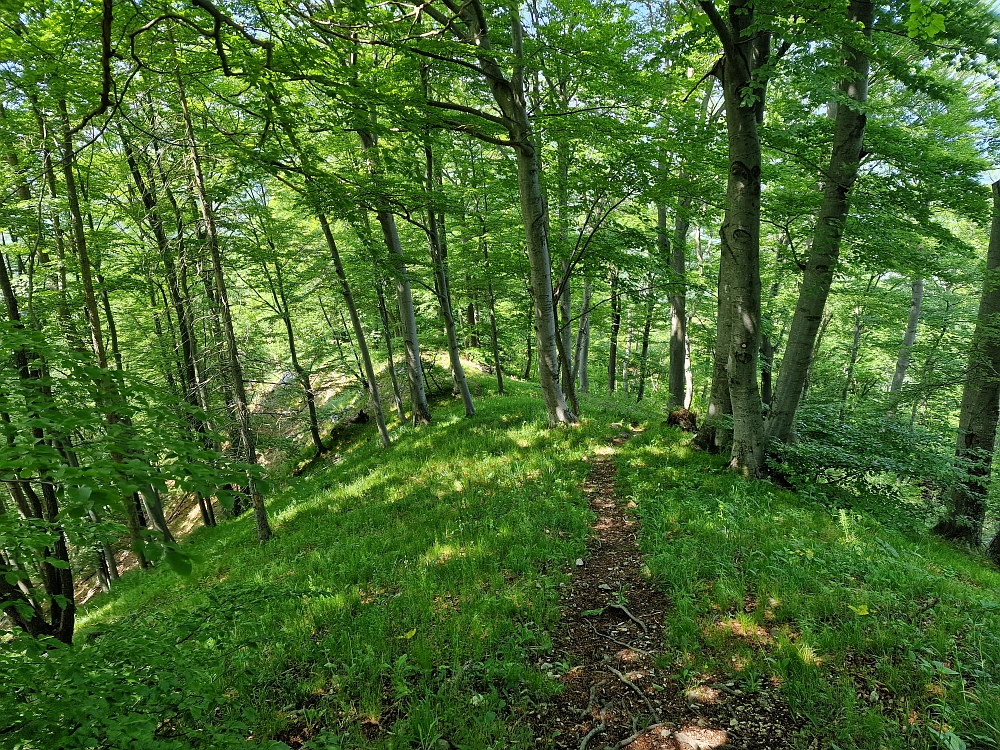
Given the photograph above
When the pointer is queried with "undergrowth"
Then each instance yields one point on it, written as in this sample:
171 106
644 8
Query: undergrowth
398 604
878 635
408 593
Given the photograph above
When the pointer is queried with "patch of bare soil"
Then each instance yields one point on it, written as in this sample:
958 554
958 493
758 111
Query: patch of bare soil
615 696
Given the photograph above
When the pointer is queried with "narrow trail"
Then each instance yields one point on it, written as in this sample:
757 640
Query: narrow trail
615 695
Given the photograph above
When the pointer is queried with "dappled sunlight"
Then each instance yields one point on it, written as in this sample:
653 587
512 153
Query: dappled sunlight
744 629
440 554
689 737
700 738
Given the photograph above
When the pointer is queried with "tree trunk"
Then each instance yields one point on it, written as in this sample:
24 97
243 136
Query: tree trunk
821 263
714 436
191 376
906 350
644 350
977 422
815 353
627 359
491 300
471 314
359 330
616 324
241 405
583 341
852 360
439 261
566 331
510 98
58 582
766 369
285 312
678 298
768 347
404 295
387 333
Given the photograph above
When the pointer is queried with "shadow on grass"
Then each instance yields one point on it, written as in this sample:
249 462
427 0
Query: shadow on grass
879 635
403 599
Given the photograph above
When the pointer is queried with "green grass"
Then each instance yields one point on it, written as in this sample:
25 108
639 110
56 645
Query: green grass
879 636
403 599
408 594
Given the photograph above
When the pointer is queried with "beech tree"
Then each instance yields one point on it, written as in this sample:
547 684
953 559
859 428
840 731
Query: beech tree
977 425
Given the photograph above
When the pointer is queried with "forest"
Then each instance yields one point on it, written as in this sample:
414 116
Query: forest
471 374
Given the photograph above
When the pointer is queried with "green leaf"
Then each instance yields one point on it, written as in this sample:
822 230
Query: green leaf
178 561
56 563
226 498
79 494
591 612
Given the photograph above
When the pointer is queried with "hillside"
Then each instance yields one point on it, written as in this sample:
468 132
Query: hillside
411 598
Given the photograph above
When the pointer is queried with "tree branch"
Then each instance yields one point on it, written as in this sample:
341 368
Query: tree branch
720 26
467 110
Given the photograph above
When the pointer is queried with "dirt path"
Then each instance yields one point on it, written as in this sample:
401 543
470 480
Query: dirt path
615 696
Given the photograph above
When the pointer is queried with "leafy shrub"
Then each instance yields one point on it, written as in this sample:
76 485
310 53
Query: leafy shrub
873 456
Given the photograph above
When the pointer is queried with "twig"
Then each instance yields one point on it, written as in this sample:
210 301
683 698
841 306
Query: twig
629 740
595 731
620 643
593 693
637 689
630 616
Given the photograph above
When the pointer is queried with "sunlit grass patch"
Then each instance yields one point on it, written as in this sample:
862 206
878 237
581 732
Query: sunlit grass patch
404 597
879 635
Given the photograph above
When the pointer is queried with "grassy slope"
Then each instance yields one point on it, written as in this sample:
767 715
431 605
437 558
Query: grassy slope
403 587
413 587
880 637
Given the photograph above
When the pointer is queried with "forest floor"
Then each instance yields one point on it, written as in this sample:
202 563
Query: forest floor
617 695
429 596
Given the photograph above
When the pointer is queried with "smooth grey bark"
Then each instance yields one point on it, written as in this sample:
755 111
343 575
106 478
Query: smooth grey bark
404 294
824 253
677 383
509 95
562 227
739 273
644 346
852 360
359 329
566 329
284 311
713 436
909 338
583 340
491 301
768 347
616 324
627 359
815 353
189 367
59 620
471 314
688 374
977 422
234 367
439 261
109 399
383 312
